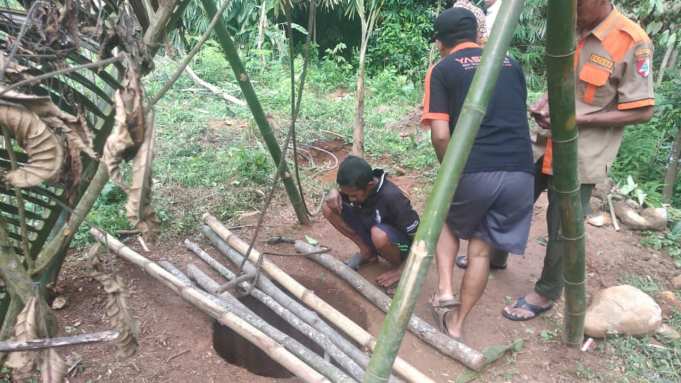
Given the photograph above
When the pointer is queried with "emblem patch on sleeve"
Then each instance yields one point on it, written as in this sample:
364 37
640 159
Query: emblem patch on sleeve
643 66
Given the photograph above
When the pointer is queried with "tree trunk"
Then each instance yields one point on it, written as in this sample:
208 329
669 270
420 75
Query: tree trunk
358 126
423 247
308 297
422 329
665 59
232 55
262 24
209 304
318 363
672 174
322 337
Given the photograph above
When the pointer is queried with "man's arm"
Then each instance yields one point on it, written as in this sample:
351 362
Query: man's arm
615 118
439 136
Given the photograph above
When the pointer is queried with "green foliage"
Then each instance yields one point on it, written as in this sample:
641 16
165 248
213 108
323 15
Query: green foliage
644 283
646 148
402 39
670 242
527 46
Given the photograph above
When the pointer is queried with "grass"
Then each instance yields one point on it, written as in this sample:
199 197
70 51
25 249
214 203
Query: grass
209 156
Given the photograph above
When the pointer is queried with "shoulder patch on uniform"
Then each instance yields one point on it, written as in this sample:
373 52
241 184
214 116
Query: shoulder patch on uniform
602 61
643 66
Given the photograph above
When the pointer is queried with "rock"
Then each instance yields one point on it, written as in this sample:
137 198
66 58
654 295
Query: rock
676 282
622 310
58 303
600 220
656 217
668 332
669 302
648 219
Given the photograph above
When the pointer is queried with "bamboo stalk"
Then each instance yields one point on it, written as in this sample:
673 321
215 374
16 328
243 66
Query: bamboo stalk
303 319
306 355
560 50
212 88
232 55
187 59
361 336
208 304
422 329
20 200
423 248
39 344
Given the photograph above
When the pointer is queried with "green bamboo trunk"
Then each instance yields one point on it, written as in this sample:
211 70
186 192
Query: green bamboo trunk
231 54
560 51
448 175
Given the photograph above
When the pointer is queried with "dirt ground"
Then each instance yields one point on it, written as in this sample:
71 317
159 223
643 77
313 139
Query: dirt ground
176 339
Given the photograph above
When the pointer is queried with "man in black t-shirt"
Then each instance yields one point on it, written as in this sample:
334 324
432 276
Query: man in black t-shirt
492 206
373 213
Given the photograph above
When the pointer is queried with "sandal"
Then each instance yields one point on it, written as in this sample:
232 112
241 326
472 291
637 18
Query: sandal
442 304
521 303
440 317
462 263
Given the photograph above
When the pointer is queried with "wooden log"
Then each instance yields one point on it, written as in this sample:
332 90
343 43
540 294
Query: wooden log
347 355
314 360
208 304
361 336
39 344
422 329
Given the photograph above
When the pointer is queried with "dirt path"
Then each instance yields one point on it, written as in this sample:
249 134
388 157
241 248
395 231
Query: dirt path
175 339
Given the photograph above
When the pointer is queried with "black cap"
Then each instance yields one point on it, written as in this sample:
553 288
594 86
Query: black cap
455 24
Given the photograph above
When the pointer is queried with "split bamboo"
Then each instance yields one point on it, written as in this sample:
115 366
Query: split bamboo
361 336
423 248
560 76
232 55
40 344
422 329
314 360
208 304
286 310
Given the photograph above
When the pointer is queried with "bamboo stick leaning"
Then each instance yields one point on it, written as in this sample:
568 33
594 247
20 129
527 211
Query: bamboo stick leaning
208 304
295 315
423 330
404 369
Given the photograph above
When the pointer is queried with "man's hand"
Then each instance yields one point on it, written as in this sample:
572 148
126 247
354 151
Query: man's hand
540 112
334 201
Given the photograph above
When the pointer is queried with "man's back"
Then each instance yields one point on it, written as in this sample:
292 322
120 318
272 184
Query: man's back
503 140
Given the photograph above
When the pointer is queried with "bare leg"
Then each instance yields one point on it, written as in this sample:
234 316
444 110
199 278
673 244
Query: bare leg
473 284
445 252
336 220
391 253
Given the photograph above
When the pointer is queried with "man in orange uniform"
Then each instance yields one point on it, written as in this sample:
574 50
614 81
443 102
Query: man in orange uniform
614 88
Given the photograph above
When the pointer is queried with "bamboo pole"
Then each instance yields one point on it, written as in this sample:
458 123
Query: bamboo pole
39 344
208 304
422 329
286 310
314 360
231 54
560 50
361 336
423 248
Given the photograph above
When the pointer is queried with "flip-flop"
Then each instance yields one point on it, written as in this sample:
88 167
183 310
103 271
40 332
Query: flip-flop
440 317
462 263
439 304
356 261
521 303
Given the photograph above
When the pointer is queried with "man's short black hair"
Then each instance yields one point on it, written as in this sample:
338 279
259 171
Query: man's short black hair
456 25
354 172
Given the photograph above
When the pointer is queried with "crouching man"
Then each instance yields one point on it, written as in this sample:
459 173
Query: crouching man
375 214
